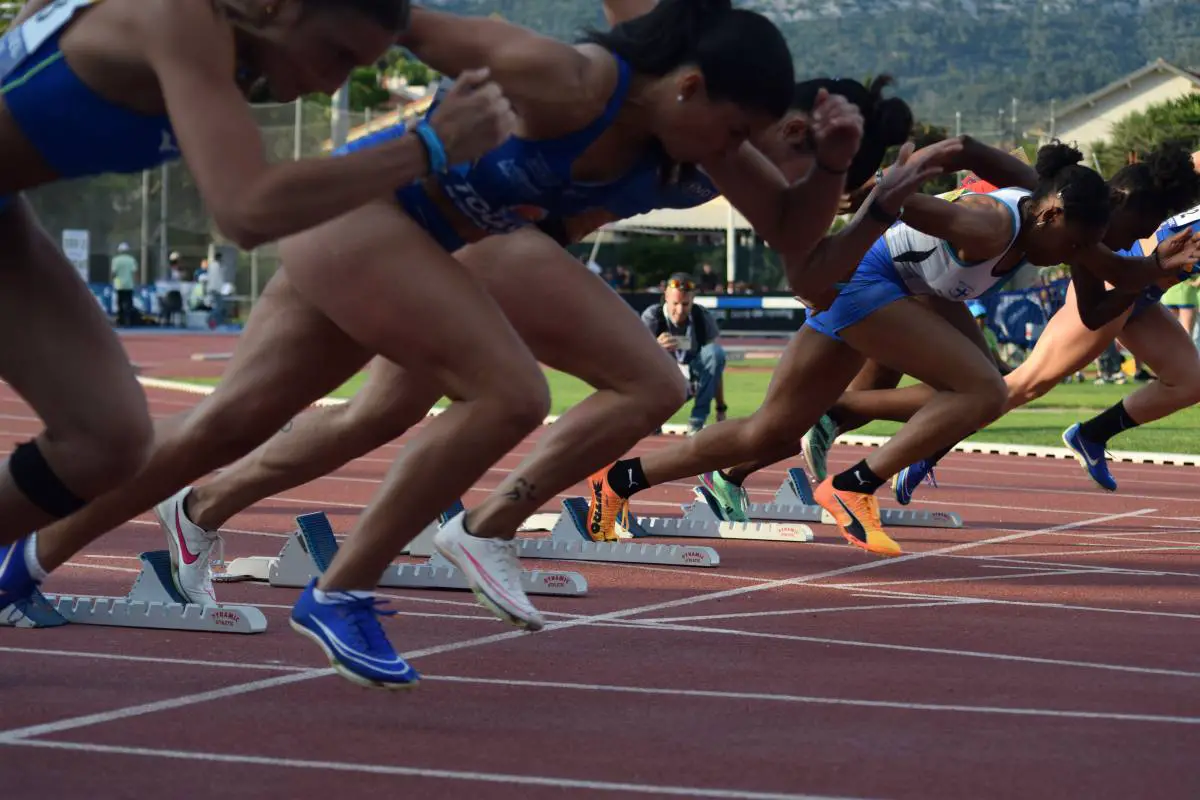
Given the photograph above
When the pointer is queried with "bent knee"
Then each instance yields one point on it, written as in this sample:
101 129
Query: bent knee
988 396
524 401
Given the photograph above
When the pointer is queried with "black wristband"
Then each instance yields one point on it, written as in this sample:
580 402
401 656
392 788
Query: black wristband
877 213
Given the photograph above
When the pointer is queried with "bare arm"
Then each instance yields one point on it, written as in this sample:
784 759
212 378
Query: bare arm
1099 305
977 227
993 165
791 219
524 63
252 201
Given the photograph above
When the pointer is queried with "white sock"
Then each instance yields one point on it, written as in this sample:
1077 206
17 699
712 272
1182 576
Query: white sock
329 598
31 563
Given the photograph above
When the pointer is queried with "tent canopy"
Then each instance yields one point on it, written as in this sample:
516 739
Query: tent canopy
715 215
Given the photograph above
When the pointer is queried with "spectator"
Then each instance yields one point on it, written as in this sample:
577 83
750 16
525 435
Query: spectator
709 282
689 332
175 267
123 270
979 312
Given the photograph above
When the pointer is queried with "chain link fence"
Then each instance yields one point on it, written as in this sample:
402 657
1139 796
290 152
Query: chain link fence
160 211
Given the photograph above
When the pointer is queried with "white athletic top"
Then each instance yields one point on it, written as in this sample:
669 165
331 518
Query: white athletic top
928 265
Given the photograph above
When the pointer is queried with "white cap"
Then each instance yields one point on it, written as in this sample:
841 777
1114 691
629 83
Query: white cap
123 248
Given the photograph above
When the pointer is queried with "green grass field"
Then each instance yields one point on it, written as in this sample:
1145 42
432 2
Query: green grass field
1040 423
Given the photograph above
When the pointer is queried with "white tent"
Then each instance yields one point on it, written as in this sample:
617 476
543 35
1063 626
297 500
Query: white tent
715 215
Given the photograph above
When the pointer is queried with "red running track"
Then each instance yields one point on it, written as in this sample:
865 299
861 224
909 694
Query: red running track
1047 649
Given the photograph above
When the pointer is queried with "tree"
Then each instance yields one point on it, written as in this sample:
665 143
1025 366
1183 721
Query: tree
1172 122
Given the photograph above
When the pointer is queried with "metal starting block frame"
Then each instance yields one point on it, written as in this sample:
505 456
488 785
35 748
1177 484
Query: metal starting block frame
777 521
569 541
309 551
794 502
152 602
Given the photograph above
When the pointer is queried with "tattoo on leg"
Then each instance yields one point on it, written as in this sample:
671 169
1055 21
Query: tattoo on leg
521 491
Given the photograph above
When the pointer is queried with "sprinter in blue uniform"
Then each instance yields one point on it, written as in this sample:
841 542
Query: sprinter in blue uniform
120 86
686 84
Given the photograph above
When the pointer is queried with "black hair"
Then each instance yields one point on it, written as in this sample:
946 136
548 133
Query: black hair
1165 183
742 55
390 15
887 121
1084 194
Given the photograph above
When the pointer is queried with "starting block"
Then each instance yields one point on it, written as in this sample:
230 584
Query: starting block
794 502
569 541
153 602
777 521
309 551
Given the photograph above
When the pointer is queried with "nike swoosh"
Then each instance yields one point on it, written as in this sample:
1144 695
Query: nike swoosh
914 256
855 527
188 557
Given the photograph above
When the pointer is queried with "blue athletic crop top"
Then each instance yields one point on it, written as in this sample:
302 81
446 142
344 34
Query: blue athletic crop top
524 181
76 131
1186 219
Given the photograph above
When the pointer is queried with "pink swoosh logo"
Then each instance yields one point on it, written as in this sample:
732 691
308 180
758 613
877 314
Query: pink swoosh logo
185 554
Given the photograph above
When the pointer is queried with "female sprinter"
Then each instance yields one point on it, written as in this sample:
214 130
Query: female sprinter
689 82
1166 182
633 388
961 251
1140 194
122 85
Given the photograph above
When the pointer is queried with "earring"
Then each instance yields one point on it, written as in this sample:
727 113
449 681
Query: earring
679 99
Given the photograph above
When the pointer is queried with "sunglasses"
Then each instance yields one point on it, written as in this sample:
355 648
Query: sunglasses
685 285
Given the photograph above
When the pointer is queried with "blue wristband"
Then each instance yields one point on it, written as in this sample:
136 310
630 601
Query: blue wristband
433 146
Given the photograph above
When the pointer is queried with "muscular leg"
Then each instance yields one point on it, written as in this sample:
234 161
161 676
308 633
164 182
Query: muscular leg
575 323
62 357
1158 340
418 307
316 443
286 344
811 374
973 390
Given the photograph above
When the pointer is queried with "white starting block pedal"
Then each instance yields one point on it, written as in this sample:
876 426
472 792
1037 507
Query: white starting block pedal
153 602
794 502
700 520
569 541
309 551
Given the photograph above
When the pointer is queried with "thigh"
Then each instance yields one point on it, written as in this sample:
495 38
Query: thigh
1064 347
958 315
1158 340
914 339
381 279
565 313
874 375
61 353
289 355
811 375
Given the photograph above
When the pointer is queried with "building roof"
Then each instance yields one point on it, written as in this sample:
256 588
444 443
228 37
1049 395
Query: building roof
1156 66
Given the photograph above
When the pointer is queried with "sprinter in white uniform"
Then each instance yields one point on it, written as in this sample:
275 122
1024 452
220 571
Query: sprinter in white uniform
948 251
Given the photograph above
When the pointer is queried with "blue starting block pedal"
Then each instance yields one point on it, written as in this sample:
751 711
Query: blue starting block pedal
153 602
309 551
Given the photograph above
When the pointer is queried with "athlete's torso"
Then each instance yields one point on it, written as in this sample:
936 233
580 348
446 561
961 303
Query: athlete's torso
929 265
